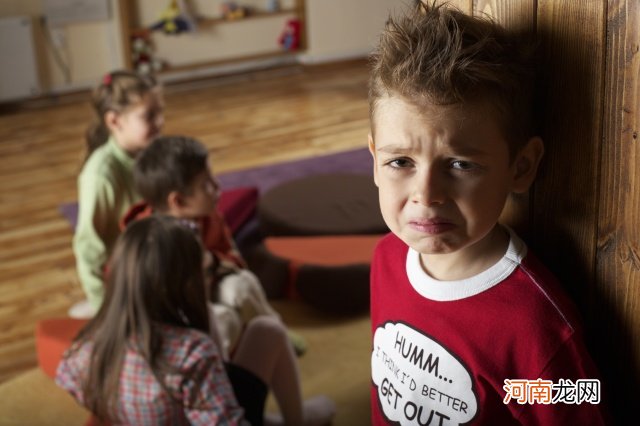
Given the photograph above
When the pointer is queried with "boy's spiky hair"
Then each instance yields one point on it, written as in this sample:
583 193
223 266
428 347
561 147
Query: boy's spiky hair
437 55
169 164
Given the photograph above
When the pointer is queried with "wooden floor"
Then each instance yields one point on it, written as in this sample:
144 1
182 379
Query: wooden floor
247 120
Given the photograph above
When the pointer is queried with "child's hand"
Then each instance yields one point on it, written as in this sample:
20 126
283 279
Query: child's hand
226 267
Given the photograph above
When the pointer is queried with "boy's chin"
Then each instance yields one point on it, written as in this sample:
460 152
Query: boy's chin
431 245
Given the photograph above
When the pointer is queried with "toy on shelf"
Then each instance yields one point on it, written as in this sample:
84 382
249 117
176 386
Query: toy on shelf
175 19
290 36
272 6
142 55
231 11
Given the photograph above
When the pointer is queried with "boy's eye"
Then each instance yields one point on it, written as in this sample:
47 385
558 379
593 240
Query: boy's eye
462 165
399 163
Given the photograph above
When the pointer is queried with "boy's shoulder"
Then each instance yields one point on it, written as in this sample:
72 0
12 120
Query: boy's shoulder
138 211
553 293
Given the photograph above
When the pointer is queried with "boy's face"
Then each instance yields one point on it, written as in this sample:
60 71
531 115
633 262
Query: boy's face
202 197
443 175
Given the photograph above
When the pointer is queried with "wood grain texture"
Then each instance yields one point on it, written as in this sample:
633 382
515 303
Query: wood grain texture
465 6
245 120
518 16
616 297
512 14
565 199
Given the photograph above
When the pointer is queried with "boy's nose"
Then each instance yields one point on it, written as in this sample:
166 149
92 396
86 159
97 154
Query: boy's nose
429 188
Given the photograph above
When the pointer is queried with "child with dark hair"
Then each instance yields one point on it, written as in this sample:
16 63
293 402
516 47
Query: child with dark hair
174 178
468 326
148 358
128 114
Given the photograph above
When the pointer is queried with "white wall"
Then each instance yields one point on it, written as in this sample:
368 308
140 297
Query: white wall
342 29
85 51
336 30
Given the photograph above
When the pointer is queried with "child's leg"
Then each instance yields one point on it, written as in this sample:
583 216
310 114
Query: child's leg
264 350
226 327
243 291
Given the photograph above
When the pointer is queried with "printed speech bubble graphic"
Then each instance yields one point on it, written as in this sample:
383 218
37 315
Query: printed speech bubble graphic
418 380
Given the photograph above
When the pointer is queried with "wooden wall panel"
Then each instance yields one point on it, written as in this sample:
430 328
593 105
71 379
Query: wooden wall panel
463 5
615 298
564 211
518 16
512 14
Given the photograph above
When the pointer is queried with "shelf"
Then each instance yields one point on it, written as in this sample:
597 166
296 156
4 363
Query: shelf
211 22
207 22
201 50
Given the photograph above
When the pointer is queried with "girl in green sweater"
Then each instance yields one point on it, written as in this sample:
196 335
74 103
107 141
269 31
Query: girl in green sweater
128 111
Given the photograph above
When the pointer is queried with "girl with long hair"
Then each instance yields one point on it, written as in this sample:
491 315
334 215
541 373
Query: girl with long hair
147 357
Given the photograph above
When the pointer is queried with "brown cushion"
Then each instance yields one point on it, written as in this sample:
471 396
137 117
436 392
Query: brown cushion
330 273
326 204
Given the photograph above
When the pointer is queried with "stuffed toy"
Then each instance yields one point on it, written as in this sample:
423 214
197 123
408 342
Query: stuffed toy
231 11
272 6
175 19
290 37
142 56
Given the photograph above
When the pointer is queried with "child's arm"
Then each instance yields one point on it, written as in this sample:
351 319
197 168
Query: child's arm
208 396
73 361
572 362
97 227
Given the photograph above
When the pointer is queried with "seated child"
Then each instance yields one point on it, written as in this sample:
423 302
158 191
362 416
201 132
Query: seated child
128 111
468 326
148 357
174 178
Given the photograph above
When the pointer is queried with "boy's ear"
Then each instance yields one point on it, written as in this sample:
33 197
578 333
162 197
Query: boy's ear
175 202
372 150
526 164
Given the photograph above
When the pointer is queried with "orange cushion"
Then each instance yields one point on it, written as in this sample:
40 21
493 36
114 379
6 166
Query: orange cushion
53 338
339 250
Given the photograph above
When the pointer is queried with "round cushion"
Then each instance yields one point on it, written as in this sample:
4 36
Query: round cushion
328 272
325 204
53 337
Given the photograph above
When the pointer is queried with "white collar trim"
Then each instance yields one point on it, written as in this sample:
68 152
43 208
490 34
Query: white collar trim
445 291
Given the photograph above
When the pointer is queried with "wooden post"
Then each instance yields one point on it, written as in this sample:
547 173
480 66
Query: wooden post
615 299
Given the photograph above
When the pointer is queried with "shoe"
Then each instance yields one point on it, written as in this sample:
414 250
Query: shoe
82 310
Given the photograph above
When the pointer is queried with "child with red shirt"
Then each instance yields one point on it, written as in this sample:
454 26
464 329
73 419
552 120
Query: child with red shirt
174 178
468 326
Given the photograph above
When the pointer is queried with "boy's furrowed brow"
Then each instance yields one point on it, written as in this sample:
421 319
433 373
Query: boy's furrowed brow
467 150
395 149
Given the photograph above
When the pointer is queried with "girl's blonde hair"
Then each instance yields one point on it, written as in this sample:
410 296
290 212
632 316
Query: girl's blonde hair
155 277
117 91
